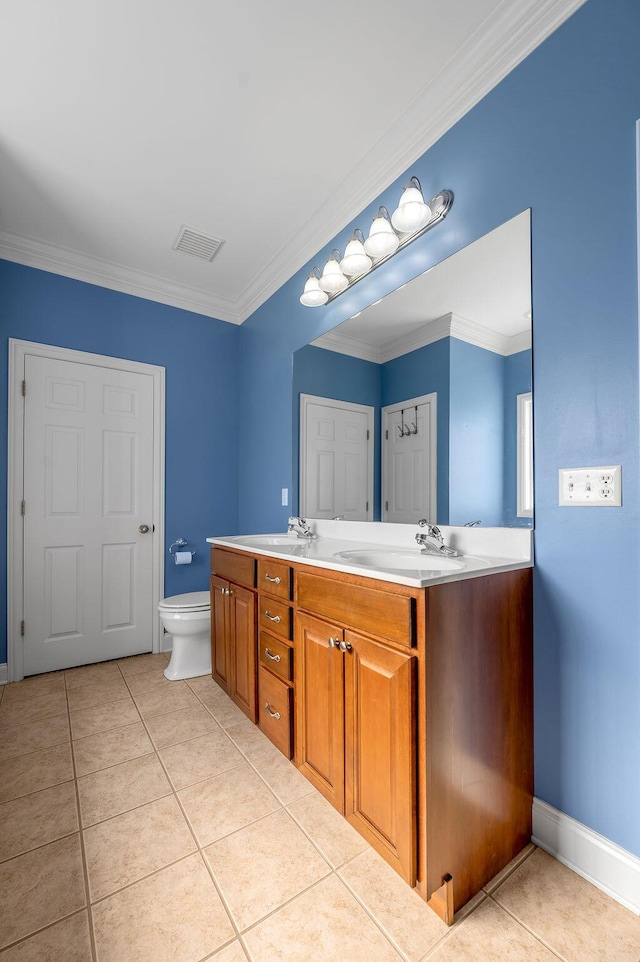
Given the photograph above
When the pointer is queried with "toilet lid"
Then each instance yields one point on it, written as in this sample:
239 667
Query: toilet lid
192 601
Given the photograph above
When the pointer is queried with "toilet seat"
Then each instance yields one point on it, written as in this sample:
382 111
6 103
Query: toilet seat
191 601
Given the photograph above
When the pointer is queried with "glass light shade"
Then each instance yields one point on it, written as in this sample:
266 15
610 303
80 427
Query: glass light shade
411 213
355 260
382 239
313 296
333 280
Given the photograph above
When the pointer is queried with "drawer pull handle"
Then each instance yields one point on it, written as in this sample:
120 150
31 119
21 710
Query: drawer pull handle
271 656
275 618
274 714
334 642
275 581
345 646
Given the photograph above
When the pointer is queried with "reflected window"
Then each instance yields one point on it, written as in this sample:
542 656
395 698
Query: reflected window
525 455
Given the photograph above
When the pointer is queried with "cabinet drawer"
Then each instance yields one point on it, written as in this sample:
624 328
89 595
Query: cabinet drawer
239 568
275 715
382 613
274 578
275 617
276 656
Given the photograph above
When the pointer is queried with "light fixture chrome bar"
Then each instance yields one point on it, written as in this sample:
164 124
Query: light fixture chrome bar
440 206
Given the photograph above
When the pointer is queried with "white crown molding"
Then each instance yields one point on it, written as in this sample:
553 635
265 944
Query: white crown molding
502 42
598 860
449 325
93 270
505 38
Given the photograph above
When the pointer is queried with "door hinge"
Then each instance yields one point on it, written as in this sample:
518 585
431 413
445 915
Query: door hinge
386 506
24 388
367 434
22 629
23 508
367 507
386 435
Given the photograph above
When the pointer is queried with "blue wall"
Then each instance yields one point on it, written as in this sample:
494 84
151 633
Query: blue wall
557 135
201 360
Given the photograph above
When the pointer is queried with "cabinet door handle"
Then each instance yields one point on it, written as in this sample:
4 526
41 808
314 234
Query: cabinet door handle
271 656
334 642
275 581
223 591
345 646
275 618
273 714
228 591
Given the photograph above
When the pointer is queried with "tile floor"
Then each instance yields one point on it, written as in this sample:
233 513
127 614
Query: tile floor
143 820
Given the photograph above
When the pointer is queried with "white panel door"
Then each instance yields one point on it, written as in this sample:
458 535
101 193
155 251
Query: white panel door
409 461
336 476
88 488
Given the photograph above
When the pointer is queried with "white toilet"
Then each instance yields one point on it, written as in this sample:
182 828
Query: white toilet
187 619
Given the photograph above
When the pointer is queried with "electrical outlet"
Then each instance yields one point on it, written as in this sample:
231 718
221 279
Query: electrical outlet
593 487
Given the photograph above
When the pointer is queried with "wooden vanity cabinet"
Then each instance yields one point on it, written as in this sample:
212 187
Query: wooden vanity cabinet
233 628
275 653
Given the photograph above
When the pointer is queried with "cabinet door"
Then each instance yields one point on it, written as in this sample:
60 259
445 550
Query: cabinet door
319 675
380 749
242 624
220 660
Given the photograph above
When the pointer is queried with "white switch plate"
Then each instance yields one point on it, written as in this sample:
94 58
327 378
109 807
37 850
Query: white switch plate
285 497
594 487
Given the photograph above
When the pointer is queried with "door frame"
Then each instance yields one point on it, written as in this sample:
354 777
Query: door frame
432 401
15 482
305 401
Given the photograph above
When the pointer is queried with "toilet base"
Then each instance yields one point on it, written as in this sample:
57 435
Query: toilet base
190 658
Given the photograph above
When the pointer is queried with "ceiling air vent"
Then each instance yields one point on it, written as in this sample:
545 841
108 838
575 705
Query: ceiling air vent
197 244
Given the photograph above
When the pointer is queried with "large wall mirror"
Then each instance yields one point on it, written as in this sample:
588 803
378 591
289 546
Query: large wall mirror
421 405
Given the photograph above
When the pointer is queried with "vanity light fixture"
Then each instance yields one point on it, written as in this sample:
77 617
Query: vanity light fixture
388 234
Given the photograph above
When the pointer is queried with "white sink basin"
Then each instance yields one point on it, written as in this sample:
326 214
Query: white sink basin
266 540
399 559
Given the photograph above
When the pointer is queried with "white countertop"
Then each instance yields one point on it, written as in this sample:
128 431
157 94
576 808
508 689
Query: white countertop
392 550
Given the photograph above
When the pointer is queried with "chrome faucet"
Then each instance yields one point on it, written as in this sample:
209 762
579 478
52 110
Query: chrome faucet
301 528
432 541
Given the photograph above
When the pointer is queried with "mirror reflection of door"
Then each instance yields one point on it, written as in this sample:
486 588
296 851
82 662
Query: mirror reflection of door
409 445
336 459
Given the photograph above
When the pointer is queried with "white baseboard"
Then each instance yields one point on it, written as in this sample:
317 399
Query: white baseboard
601 862
4 674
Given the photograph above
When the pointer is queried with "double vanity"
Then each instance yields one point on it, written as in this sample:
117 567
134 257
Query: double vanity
398 681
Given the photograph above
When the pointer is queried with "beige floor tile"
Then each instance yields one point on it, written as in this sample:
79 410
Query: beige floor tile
250 740
139 681
66 941
34 736
508 870
333 835
22 712
34 686
26 823
179 726
161 701
105 749
203 683
35 771
200 758
147 662
324 924
39 888
90 696
226 803
282 777
490 935
130 846
230 953
221 707
263 866
115 790
173 916
574 918
89 721
405 918
99 674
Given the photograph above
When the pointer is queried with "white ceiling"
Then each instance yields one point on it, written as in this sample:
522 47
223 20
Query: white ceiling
481 294
267 125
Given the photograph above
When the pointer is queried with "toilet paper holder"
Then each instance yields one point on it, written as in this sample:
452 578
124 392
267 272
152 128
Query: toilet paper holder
179 556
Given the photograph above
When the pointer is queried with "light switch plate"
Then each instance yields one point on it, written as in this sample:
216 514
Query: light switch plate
285 497
591 487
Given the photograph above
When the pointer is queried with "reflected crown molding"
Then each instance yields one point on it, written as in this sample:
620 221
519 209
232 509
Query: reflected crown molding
449 325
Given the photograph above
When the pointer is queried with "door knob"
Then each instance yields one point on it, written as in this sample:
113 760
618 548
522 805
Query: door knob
143 528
